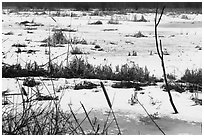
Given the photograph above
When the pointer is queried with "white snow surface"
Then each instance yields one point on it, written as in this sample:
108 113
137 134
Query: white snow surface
181 46
153 98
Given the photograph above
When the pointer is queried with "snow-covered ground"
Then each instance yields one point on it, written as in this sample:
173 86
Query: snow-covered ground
154 99
179 38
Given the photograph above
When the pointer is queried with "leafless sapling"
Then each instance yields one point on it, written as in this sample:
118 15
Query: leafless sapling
161 56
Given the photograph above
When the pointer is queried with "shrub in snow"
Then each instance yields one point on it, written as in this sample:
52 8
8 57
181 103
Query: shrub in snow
30 82
139 34
184 17
127 84
19 45
171 77
96 23
175 86
142 19
97 46
193 76
76 50
57 38
9 33
85 85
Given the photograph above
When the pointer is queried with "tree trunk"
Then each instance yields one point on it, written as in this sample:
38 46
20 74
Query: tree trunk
167 88
161 56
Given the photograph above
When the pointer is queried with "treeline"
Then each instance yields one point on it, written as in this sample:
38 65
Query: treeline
101 5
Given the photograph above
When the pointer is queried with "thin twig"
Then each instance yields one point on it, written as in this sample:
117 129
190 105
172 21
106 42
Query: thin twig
76 120
87 116
109 103
150 117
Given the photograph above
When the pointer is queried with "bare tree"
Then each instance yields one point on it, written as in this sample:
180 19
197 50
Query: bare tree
161 56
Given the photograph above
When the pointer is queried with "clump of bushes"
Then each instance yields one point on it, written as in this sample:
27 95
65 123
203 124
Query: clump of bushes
193 76
64 29
133 73
30 82
97 46
137 35
85 85
16 70
76 40
57 38
80 68
96 23
191 81
76 50
110 29
184 17
19 45
25 22
134 53
142 19
127 84
178 87
9 33
171 77
199 47
165 52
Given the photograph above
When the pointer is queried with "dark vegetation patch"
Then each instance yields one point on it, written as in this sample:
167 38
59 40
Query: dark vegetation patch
85 85
134 53
76 50
110 29
198 47
30 51
48 44
79 68
96 23
178 87
137 35
64 29
46 97
193 76
76 40
127 84
16 70
24 22
191 81
19 45
31 32
142 19
9 33
97 46
57 38
30 82
32 23
30 28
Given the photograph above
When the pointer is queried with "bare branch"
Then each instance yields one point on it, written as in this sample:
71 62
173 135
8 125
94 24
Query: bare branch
157 45
160 16
151 117
161 54
87 116
155 20
161 50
